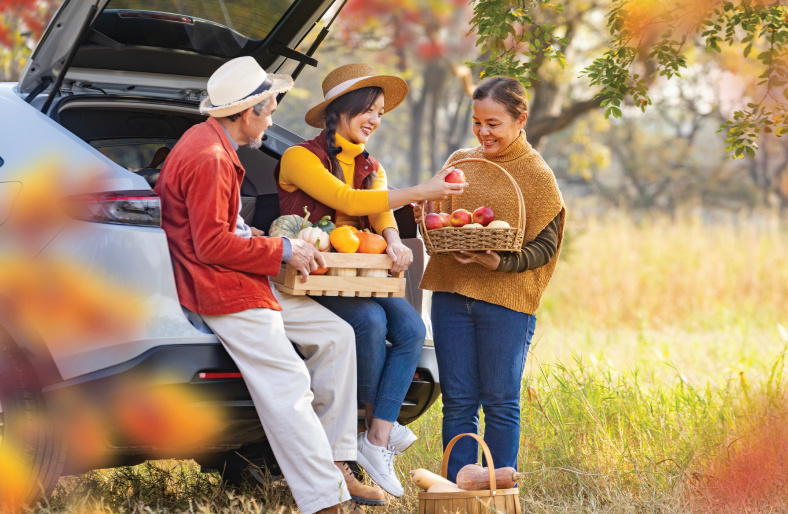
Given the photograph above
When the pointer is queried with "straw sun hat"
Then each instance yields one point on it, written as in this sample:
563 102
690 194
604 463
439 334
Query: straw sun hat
351 77
241 83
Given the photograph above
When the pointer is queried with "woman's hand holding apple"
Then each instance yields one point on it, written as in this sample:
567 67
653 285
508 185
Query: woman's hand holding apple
488 259
437 188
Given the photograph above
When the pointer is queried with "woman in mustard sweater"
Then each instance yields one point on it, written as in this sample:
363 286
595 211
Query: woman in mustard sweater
483 303
333 175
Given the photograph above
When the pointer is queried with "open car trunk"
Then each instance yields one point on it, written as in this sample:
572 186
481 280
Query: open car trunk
165 48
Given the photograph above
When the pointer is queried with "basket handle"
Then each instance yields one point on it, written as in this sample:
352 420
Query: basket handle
520 201
487 456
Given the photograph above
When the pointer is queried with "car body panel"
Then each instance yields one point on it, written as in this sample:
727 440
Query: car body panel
134 263
8 193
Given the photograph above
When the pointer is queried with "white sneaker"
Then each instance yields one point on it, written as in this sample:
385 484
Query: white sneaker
401 438
378 462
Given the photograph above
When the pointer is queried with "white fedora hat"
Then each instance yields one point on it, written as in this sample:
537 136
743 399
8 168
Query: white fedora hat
241 83
351 77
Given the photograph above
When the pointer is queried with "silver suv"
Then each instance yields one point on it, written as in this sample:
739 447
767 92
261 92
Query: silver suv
109 89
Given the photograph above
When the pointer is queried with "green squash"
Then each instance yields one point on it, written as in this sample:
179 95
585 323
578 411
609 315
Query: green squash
325 224
289 225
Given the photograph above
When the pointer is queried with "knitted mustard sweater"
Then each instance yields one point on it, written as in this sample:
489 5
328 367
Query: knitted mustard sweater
521 292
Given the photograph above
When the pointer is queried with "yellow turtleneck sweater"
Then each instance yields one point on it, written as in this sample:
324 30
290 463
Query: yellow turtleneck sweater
523 291
301 169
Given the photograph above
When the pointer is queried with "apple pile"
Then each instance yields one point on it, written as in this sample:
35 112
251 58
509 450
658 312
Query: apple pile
479 218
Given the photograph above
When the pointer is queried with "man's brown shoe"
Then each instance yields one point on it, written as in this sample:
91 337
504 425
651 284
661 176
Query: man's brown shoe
350 507
360 493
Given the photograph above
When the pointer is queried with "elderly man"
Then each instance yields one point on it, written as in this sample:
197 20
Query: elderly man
307 406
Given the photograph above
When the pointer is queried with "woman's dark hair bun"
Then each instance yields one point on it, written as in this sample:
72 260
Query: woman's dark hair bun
506 91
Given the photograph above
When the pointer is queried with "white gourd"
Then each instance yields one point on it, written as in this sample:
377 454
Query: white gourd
316 237
342 272
373 272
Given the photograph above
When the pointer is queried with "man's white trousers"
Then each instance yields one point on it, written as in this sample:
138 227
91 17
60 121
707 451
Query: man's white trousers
308 405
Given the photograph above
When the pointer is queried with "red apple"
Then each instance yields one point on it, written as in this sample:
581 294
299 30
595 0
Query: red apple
483 215
455 176
445 218
433 220
459 218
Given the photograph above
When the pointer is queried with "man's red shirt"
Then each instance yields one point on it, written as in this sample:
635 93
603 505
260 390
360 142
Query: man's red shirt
216 271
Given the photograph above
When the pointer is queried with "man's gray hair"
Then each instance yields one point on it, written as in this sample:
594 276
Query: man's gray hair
257 108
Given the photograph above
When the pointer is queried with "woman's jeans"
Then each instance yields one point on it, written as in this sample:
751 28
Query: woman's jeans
383 376
481 349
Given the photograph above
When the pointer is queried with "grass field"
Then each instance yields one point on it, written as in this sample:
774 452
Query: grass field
655 384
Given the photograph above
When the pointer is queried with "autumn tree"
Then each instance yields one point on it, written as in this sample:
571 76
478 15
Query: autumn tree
425 42
546 48
21 26
647 40
670 156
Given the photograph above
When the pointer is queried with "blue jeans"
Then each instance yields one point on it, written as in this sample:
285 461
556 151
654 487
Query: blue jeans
383 376
481 349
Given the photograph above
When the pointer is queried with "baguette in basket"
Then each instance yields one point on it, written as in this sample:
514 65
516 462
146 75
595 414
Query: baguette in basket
445 496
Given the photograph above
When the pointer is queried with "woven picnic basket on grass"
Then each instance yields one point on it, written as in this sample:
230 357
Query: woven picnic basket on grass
503 501
491 185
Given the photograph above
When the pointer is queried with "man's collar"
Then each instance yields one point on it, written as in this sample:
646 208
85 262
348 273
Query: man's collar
224 137
232 141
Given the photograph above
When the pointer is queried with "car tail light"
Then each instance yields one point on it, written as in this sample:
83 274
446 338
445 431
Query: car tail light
141 208
218 375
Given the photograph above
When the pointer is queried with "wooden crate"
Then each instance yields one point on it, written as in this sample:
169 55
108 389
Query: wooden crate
289 280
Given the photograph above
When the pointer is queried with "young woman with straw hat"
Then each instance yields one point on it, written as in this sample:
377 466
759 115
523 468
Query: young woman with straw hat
334 175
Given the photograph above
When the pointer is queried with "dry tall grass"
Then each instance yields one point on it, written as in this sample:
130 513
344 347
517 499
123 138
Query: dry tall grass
654 385
616 273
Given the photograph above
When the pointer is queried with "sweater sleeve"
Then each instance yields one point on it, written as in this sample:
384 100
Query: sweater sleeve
534 254
303 170
208 202
382 220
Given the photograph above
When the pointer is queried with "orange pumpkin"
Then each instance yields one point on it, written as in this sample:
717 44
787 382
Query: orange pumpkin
370 243
344 239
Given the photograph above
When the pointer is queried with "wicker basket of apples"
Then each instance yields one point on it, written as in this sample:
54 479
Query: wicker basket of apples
489 215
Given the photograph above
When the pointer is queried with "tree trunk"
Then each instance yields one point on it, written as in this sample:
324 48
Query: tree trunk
414 146
433 77
436 93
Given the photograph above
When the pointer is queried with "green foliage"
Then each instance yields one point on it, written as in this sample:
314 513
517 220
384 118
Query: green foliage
515 42
657 36
742 132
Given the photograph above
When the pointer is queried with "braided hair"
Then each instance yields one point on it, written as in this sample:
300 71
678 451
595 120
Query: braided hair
348 106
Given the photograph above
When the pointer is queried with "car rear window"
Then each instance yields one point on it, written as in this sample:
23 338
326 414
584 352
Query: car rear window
253 19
